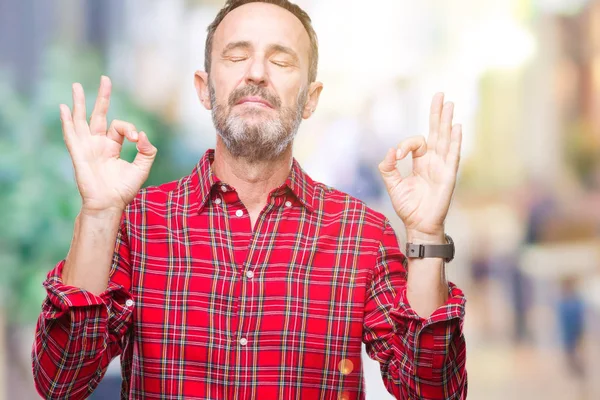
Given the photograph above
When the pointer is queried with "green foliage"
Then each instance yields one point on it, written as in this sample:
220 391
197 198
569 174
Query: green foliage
38 195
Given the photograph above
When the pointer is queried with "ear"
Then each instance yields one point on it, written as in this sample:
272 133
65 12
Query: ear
201 84
314 92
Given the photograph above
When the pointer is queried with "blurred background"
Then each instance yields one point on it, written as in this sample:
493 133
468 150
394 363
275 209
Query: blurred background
525 77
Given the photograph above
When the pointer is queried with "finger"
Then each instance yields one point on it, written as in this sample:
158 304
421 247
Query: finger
118 130
146 152
390 174
415 145
443 142
68 127
434 120
98 119
79 115
453 158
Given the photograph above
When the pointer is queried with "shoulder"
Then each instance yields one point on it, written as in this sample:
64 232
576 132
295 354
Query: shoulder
157 199
335 203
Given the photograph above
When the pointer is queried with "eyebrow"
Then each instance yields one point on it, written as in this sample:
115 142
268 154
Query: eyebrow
274 48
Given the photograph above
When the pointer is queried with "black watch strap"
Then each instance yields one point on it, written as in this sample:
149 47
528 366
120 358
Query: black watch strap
445 251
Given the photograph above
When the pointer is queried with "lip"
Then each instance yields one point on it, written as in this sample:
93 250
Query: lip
254 100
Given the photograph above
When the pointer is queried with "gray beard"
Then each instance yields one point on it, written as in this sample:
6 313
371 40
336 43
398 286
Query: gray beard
264 141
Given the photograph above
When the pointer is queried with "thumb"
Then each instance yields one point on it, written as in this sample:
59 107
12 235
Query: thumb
390 174
146 152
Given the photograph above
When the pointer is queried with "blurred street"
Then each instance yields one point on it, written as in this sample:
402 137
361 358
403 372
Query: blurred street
525 78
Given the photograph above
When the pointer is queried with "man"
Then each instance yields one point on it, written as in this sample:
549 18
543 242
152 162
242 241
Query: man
247 279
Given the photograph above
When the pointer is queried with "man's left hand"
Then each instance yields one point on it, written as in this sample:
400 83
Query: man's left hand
422 199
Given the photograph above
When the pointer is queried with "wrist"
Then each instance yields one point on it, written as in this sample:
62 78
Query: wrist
433 237
104 214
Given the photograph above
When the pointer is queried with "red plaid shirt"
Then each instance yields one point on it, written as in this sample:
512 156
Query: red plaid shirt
201 306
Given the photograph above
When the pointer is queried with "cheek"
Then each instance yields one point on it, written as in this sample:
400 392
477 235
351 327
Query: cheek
225 80
287 87
222 93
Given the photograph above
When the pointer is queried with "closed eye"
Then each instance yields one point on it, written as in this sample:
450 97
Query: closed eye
281 63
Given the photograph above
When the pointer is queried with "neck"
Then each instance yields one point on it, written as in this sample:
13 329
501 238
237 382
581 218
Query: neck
252 181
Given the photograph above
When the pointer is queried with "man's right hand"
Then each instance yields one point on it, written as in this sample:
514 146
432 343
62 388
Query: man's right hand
105 181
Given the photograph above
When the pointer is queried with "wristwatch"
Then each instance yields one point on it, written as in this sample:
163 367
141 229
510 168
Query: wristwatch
445 251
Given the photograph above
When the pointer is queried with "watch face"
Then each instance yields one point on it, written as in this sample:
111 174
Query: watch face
452 248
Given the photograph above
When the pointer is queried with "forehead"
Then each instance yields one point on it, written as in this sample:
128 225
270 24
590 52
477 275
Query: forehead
262 24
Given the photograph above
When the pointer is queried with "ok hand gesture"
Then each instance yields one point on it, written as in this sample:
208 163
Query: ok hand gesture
422 199
105 181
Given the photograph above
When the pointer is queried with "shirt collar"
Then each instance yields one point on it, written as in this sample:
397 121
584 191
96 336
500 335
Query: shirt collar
298 182
301 185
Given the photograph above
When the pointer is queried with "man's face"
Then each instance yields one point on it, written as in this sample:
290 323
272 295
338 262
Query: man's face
258 84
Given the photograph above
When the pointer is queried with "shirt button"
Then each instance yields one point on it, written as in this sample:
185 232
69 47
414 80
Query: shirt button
129 303
217 200
239 213
224 188
249 274
243 341
288 203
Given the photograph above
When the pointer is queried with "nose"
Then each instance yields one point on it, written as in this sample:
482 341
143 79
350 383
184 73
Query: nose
257 73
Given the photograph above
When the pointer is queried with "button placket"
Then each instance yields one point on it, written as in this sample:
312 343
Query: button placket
247 314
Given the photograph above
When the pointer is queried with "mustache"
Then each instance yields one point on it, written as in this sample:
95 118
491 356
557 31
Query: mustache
254 90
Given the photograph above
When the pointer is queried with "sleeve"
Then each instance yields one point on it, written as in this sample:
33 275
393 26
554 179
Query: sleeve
78 333
419 358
